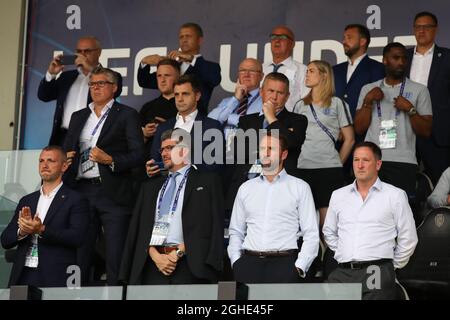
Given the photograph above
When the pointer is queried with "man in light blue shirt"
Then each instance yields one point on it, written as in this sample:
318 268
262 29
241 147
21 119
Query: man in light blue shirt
246 98
271 212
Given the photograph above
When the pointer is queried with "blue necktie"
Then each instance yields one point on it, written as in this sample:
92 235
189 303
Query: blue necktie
168 195
276 67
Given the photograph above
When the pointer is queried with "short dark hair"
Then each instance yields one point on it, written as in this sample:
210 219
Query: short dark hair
189 78
169 62
277 76
58 149
178 135
281 138
198 30
362 30
372 146
426 14
392 45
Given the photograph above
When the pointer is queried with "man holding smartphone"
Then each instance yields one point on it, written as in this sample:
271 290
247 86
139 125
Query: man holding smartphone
70 88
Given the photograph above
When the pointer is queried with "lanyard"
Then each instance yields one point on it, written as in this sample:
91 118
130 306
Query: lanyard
177 195
397 112
100 122
321 125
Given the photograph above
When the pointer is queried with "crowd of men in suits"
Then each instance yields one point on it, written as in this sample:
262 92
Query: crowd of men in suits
136 181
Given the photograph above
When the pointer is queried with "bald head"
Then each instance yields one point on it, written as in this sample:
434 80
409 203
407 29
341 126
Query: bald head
282 42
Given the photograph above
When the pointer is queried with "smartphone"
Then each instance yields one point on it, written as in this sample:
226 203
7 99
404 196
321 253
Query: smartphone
160 165
67 60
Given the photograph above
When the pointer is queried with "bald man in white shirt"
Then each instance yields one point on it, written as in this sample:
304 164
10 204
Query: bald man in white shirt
370 227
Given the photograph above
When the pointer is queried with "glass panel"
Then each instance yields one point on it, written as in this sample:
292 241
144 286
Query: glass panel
173 292
87 293
305 291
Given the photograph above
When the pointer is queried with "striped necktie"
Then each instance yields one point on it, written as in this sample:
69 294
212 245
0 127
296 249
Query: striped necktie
243 105
276 67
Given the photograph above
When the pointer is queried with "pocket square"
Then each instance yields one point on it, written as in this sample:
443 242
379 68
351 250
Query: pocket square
199 188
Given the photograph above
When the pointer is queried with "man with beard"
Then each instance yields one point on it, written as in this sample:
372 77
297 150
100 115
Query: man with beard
176 233
271 212
359 70
393 111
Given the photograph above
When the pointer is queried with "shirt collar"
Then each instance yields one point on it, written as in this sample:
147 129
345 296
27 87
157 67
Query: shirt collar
183 170
105 108
189 117
391 86
357 60
262 112
377 185
429 51
52 193
279 176
287 62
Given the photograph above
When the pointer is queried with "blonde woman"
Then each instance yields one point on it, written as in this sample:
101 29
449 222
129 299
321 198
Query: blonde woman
329 119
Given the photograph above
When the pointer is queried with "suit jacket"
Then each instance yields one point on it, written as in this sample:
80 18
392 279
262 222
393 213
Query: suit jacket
367 71
58 89
207 123
203 226
121 137
439 87
207 72
66 225
291 125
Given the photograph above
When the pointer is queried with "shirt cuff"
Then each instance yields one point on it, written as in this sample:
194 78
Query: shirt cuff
19 237
143 65
49 77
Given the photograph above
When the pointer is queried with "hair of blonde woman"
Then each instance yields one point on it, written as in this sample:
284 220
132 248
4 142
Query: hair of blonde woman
325 88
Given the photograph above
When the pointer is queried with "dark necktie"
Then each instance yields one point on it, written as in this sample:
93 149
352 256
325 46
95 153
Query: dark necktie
243 105
276 67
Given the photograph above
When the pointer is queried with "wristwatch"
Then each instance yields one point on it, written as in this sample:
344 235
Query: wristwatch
180 253
412 111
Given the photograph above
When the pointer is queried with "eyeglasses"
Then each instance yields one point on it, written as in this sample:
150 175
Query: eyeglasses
249 71
424 26
274 36
167 148
99 84
85 51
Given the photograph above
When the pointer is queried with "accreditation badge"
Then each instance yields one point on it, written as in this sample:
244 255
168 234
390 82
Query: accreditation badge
388 134
160 231
86 164
32 256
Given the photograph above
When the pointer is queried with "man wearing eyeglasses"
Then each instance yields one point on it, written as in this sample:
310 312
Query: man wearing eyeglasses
104 144
282 42
246 98
70 88
176 233
429 65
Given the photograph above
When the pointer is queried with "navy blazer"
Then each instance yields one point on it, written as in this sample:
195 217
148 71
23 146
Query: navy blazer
121 137
367 71
58 89
207 72
66 225
207 123
439 88
203 227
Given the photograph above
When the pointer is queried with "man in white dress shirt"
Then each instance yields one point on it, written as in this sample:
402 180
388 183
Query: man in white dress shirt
271 212
370 227
282 42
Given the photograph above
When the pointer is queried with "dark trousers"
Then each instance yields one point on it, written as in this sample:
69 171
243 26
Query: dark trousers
402 175
253 269
113 220
181 275
30 277
386 290
435 158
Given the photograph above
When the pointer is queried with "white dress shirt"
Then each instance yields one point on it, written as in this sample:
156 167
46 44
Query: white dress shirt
185 65
271 216
379 227
421 65
77 97
187 122
352 67
296 73
89 140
